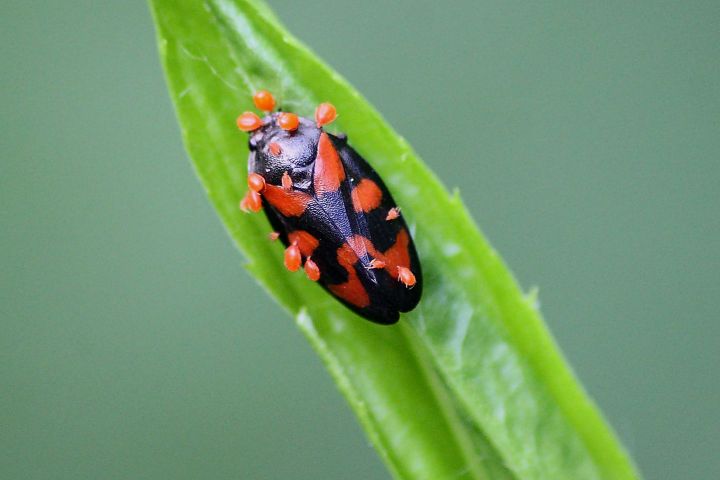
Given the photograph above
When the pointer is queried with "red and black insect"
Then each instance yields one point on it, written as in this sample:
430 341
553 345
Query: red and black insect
331 210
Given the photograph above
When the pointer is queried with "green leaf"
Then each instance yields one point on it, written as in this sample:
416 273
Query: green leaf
468 385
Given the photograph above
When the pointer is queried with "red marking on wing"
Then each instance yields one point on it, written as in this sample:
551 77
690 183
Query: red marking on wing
346 255
352 291
366 196
290 204
398 255
395 260
360 245
305 241
329 171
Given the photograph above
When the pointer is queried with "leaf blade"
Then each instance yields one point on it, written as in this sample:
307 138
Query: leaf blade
475 349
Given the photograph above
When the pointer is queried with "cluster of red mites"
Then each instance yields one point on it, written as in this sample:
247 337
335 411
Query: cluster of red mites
249 121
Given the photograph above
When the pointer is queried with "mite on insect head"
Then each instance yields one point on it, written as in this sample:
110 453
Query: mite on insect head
331 210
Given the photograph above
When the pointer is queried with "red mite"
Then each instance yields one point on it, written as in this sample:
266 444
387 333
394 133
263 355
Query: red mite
331 210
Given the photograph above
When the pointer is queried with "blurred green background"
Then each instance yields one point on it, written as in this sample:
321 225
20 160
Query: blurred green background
584 137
